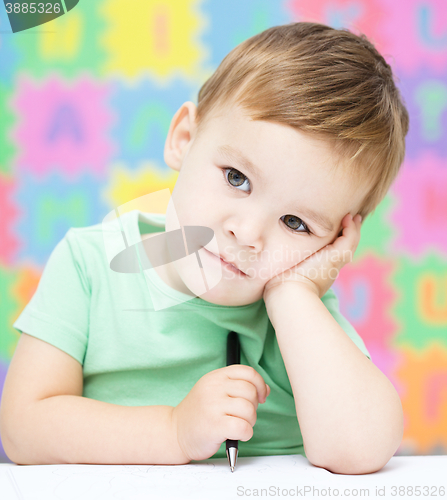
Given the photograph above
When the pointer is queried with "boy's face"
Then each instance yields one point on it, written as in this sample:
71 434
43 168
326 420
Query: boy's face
259 218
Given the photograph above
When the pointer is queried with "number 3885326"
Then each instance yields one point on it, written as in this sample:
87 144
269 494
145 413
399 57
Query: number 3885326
33 8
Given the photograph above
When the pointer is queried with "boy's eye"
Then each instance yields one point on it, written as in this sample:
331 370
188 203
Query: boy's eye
295 223
237 179
234 177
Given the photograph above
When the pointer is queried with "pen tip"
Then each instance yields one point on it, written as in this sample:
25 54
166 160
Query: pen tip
232 469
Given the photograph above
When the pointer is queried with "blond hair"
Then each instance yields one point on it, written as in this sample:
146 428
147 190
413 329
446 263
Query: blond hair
323 81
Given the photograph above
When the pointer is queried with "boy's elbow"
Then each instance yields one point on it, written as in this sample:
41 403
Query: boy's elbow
352 464
4 437
360 461
9 450
365 452
363 459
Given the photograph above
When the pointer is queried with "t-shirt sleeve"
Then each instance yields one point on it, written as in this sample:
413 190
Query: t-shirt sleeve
58 312
330 300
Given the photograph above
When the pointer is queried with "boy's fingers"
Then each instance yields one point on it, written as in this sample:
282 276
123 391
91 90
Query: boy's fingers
241 408
250 375
243 389
352 227
358 226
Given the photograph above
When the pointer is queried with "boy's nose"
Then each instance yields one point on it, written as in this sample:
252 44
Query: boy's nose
247 239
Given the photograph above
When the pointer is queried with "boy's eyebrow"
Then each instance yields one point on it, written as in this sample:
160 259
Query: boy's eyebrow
234 154
321 220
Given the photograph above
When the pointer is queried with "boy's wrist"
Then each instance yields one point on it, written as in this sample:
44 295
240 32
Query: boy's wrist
289 301
183 458
277 297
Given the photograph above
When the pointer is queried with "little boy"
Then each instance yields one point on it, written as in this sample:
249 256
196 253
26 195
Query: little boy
297 135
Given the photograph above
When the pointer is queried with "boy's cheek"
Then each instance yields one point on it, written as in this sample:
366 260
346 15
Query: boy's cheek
284 258
266 266
266 272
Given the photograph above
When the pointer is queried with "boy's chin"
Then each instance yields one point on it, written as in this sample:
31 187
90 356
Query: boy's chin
215 284
226 291
216 296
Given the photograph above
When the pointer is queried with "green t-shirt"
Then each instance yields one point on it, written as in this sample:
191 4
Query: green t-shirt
135 354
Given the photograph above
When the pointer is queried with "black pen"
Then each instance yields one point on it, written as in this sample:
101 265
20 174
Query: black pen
233 358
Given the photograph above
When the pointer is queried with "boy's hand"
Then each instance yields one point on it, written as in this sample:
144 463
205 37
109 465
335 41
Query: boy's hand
319 271
221 405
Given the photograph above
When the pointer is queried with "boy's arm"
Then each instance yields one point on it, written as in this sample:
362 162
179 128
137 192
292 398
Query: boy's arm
349 413
74 429
45 420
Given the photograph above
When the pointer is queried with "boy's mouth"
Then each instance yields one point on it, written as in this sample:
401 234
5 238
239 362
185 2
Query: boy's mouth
227 264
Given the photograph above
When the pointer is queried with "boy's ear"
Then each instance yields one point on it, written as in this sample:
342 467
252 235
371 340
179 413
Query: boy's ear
180 135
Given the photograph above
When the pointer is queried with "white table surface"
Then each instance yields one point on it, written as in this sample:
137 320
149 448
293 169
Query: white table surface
282 476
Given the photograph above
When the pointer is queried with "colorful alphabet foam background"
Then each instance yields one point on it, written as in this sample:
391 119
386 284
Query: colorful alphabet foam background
85 105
